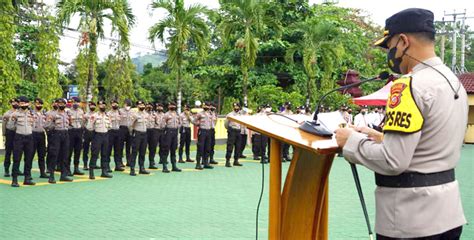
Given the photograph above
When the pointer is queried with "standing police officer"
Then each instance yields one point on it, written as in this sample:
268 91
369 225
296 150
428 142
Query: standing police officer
152 136
233 137
100 142
204 122
39 137
114 136
185 134
160 125
213 114
139 138
23 141
172 124
59 122
49 134
8 130
125 125
417 195
76 132
88 134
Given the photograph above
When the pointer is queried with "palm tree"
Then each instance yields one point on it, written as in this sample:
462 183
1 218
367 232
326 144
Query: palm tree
184 26
319 42
245 21
93 14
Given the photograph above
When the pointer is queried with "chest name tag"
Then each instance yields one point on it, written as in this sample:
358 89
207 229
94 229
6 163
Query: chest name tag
402 113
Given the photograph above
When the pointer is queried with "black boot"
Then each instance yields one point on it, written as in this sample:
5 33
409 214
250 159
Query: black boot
152 165
227 163
198 164
212 161
91 173
165 168
7 173
175 169
236 163
132 172
85 166
188 159
181 160
208 166
29 181
143 170
105 173
51 179
77 171
66 178
15 182
43 173
118 167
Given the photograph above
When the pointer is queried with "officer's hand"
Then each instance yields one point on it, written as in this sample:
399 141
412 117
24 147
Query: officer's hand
342 134
373 134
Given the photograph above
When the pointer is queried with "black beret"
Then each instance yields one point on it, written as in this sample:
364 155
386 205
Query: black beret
23 99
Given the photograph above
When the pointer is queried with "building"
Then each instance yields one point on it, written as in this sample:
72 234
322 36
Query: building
467 80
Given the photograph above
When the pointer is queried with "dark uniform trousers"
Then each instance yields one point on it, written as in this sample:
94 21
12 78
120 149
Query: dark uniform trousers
233 143
243 144
184 142
86 145
161 143
259 145
203 146
75 145
153 137
213 143
39 146
170 144
100 144
49 137
23 144
125 142
9 137
59 150
453 234
285 149
114 143
139 140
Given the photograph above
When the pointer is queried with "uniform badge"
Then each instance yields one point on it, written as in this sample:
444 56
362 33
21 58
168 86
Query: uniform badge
396 94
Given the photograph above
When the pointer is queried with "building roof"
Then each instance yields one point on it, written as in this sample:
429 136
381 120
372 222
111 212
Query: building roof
467 80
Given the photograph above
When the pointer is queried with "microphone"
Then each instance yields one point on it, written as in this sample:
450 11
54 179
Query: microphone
314 127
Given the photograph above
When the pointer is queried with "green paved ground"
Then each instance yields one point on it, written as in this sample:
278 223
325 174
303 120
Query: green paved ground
212 204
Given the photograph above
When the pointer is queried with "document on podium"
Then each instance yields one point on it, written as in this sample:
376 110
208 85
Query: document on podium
331 120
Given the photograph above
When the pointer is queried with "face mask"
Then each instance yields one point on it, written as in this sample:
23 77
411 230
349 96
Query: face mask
127 108
206 109
24 107
160 109
62 107
114 107
102 109
376 111
55 107
236 109
141 108
363 113
75 105
394 62
39 107
92 109
172 108
15 106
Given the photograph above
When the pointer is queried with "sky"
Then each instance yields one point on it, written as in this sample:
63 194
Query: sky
377 10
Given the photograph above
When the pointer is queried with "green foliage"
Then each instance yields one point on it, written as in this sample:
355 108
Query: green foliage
47 75
273 95
82 68
118 78
26 88
9 69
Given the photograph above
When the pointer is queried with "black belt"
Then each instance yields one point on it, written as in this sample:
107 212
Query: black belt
415 179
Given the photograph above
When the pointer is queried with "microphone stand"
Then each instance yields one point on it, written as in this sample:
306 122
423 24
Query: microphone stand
316 128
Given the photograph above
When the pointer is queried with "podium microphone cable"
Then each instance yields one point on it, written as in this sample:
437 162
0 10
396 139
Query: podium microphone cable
361 198
260 199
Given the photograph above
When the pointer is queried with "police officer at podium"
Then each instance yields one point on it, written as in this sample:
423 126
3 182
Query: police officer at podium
414 159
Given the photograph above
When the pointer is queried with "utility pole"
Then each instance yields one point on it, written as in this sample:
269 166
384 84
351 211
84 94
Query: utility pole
463 43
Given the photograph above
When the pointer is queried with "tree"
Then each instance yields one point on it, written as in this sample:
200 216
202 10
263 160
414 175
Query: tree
47 74
118 79
9 69
93 15
245 20
183 25
319 41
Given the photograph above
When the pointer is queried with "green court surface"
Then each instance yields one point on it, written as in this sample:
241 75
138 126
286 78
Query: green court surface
210 204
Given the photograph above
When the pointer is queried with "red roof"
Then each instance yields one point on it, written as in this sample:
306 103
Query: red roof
467 80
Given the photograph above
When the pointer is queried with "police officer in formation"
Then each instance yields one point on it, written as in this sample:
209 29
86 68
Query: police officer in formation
185 134
39 136
100 122
114 137
172 123
139 138
125 136
8 130
233 137
203 120
213 133
260 141
76 115
152 135
88 134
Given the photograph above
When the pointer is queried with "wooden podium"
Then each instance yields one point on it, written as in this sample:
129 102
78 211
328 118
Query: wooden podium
301 210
